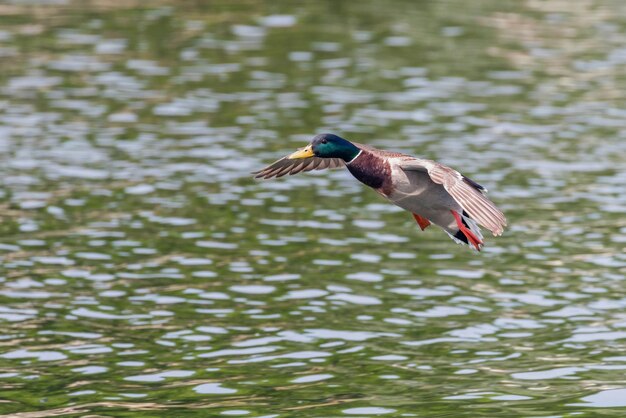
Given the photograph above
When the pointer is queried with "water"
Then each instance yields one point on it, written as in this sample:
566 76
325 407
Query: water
144 273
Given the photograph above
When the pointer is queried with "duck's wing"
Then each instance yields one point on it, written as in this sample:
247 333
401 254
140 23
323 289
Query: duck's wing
468 194
294 166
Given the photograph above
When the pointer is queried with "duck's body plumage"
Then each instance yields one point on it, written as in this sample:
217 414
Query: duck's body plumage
433 192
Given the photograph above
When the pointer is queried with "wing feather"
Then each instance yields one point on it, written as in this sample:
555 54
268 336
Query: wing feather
285 166
468 194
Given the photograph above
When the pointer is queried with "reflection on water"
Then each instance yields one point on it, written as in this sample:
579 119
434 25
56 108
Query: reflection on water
144 273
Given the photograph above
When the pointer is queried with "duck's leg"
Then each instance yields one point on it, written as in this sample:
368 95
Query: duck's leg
422 222
473 239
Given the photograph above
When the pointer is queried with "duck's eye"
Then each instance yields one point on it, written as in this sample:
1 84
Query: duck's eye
324 141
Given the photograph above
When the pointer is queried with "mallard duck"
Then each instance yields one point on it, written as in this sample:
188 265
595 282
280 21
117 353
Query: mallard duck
432 192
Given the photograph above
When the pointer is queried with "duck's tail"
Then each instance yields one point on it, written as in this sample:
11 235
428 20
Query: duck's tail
468 232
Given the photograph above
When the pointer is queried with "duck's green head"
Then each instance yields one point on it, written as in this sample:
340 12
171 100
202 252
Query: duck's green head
328 146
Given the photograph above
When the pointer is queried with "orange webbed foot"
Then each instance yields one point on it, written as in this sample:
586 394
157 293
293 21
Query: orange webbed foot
422 222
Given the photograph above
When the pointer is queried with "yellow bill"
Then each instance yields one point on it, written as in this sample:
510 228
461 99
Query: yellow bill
306 152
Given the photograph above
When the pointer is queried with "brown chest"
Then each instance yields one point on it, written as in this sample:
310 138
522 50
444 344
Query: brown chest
372 171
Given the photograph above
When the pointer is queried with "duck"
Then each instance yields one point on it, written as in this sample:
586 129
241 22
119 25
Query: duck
432 192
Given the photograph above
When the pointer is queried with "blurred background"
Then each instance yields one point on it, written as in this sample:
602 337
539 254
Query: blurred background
144 273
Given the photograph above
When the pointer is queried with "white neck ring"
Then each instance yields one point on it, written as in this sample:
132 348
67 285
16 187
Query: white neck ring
355 157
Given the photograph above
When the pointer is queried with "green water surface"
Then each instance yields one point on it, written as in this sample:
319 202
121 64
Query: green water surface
144 273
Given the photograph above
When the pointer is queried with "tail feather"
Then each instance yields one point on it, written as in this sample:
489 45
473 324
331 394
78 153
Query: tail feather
460 237
471 225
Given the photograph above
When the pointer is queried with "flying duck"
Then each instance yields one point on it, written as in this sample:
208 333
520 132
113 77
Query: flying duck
432 192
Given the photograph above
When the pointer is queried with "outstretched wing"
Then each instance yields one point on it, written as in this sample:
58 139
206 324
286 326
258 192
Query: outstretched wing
468 194
295 166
